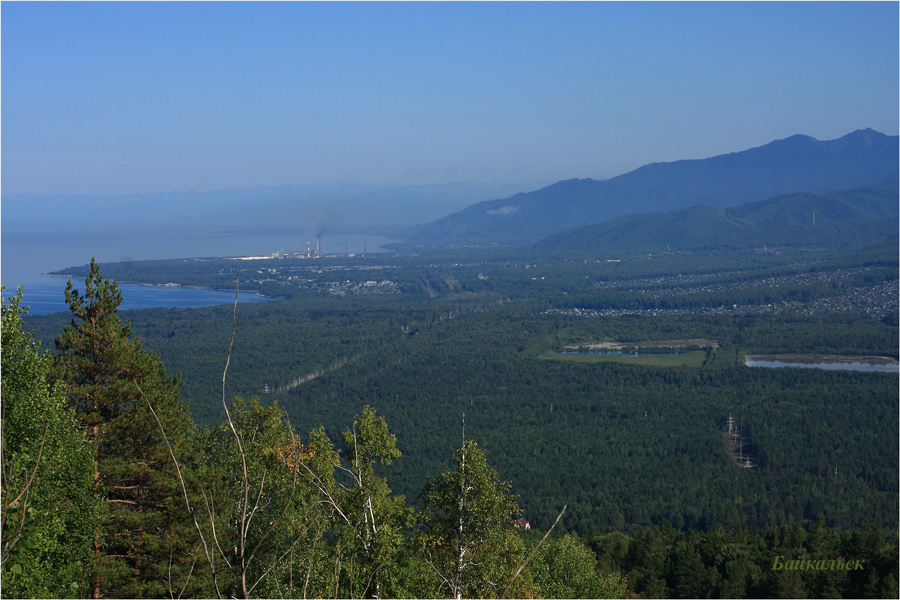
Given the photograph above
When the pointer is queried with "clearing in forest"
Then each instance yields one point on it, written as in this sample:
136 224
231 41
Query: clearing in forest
656 353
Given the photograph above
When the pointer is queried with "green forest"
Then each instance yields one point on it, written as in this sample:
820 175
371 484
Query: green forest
360 439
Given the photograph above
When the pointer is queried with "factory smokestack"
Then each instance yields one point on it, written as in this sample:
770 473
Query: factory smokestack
317 247
307 247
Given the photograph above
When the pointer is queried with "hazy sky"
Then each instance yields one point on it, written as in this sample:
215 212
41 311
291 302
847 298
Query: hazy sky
119 98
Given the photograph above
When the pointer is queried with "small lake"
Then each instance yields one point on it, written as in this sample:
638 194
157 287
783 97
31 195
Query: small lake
855 363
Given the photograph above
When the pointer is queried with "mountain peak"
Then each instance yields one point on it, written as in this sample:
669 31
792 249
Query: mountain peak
866 136
799 163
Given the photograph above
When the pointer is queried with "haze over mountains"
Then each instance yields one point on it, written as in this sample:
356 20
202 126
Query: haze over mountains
309 209
792 165
775 173
852 218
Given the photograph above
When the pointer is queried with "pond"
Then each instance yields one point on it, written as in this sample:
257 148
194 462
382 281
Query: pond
875 364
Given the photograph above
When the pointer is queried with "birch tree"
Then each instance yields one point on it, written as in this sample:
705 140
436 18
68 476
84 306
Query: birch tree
260 511
370 521
468 539
48 514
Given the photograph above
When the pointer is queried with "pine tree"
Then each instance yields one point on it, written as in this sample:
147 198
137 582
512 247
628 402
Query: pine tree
146 545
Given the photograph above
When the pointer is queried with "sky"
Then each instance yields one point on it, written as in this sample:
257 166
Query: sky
122 98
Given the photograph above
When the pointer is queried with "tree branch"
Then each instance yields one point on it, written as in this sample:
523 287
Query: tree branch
26 491
533 552
187 501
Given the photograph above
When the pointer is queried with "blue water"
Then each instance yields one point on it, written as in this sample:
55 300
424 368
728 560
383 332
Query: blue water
827 366
46 297
26 254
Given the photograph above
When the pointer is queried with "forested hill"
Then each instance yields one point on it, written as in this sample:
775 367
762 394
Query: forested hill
792 165
847 219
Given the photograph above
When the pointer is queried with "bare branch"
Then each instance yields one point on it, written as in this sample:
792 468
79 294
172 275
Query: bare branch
211 511
23 496
171 591
26 490
245 527
431 564
533 552
280 558
237 438
334 505
372 514
312 556
191 572
209 557
352 474
278 519
337 569
369 582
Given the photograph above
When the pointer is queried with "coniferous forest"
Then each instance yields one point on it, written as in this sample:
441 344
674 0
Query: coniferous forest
450 300
389 426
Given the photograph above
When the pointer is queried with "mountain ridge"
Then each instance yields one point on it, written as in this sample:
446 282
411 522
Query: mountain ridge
848 218
795 164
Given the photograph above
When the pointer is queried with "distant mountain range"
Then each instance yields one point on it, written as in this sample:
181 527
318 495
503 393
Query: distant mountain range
792 165
308 209
860 217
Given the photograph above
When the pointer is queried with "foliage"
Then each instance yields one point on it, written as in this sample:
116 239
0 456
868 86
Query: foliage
565 567
466 533
257 505
731 562
49 515
146 545
374 521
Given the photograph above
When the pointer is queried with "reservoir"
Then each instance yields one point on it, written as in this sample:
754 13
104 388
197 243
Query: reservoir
875 364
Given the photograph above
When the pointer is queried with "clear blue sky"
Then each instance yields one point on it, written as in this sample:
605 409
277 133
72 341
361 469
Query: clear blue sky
113 98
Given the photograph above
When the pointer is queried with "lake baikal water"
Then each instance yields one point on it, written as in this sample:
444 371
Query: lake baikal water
26 254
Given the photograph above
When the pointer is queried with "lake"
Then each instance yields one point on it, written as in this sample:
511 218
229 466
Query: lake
875 364
47 297
26 254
